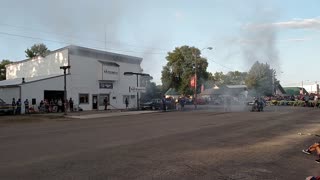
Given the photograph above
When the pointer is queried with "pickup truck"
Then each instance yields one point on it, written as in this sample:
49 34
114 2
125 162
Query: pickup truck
5 108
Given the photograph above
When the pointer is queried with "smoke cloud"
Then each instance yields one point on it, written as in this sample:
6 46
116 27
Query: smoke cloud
259 44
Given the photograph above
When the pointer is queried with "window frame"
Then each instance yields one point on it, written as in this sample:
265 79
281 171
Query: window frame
88 98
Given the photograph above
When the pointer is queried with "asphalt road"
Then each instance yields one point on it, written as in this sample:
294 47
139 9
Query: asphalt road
174 145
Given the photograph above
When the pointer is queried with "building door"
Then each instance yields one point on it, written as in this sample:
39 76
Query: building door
94 101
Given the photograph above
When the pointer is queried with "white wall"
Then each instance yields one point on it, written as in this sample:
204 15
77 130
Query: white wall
7 94
49 65
36 89
86 73
311 88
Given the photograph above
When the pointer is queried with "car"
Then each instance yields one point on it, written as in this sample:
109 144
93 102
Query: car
5 108
154 104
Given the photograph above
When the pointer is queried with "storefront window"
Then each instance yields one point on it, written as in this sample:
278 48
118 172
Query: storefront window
83 98
101 99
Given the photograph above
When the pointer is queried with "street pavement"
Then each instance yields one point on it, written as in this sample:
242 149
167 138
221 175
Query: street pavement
107 114
203 144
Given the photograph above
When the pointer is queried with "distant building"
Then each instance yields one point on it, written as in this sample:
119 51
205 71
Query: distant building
295 91
233 90
312 88
279 90
94 75
172 93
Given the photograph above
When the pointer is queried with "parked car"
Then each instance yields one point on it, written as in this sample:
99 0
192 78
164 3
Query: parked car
5 108
154 104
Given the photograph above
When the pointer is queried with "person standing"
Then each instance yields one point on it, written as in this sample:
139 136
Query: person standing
127 103
164 103
71 104
59 105
26 106
18 110
182 102
13 106
105 102
315 101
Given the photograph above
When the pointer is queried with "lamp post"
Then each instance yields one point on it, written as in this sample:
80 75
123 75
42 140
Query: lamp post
195 75
65 86
137 74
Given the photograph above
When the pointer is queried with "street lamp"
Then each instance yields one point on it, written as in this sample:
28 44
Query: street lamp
65 86
137 74
195 75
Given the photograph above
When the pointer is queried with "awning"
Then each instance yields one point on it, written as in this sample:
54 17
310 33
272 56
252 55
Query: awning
109 63
18 81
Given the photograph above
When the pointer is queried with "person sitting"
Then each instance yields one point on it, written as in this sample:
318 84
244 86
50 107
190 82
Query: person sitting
312 148
313 178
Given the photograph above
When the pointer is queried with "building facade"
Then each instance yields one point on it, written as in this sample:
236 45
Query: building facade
93 75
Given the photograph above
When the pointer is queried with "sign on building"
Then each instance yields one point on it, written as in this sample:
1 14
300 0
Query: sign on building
106 85
137 89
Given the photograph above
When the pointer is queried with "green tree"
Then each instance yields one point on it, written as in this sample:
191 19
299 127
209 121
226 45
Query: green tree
235 78
37 50
231 78
3 69
260 79
152 91
180 68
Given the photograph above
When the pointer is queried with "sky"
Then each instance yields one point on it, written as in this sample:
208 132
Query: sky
284 34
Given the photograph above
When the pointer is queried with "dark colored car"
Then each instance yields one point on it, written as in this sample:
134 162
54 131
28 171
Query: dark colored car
154 104
5 108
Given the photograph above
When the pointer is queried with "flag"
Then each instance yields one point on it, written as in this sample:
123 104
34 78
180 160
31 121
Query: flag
192 81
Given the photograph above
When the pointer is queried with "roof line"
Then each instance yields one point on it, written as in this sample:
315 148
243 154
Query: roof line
29 82
85 48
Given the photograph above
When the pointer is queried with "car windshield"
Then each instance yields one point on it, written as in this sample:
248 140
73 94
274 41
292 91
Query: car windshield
1 101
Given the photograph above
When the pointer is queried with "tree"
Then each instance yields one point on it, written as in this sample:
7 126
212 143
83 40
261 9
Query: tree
231 78
235 78
180 68
3 69
37 50
260 79
152 90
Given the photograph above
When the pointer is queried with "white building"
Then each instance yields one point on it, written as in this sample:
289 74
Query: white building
312 88
94 74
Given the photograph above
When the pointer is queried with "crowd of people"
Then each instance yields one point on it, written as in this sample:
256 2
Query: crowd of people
45 106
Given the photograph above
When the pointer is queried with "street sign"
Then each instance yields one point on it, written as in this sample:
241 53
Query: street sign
137 89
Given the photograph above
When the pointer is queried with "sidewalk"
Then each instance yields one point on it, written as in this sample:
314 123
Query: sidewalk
108 114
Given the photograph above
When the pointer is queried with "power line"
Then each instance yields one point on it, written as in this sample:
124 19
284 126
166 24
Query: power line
221 65
67 43
96 47
78 37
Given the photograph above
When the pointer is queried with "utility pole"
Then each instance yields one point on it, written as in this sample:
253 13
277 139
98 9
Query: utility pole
65 87
195 81
138 104
274 88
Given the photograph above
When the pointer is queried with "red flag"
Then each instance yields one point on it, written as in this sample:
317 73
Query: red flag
192 81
